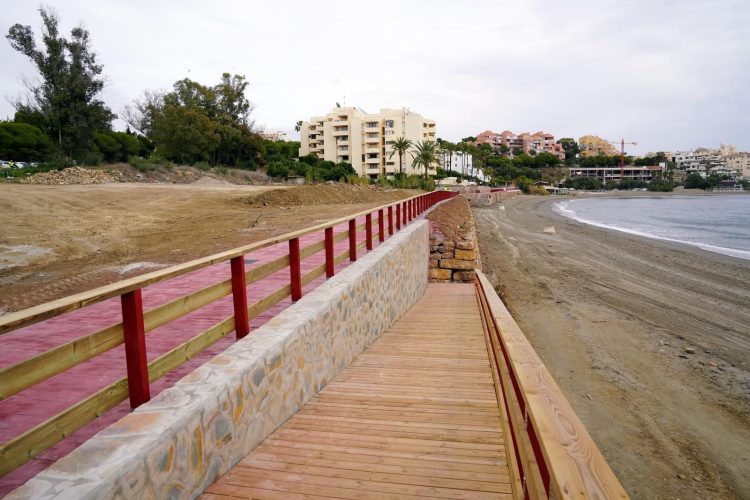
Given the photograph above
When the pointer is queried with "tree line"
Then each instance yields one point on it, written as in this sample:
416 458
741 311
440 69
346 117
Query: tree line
62 118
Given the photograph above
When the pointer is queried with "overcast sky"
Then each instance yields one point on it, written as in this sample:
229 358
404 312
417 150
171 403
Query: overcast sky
669 75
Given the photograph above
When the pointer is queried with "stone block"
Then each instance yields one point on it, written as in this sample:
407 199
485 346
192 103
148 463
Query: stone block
465 245
433 280
434 248
448 246
440 274
435 255
446 255
466 254
457 264
463 276
433 263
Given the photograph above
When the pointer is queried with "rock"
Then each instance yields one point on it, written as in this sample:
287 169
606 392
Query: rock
690 350
549 230
466 254
682 476
465 245
463 276
457 264
434 248
435 255
446 255
440 274
449 246
697 479
433 263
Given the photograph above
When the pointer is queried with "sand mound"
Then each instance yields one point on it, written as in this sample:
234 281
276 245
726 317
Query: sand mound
210 181
72 175
328 194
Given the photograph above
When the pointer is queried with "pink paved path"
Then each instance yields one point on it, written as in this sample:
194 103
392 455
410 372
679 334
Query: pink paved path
38 403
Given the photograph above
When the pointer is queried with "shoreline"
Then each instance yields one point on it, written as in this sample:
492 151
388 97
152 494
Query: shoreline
647 338
673 243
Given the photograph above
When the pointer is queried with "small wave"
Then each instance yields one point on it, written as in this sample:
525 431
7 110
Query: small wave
563 209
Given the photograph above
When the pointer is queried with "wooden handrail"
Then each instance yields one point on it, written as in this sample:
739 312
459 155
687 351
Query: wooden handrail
553 452
38 368
31 315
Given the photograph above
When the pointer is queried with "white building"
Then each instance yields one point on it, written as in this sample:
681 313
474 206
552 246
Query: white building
365 140
457 162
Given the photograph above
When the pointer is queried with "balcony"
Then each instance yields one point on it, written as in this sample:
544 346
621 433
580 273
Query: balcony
373 160
342 132
372 149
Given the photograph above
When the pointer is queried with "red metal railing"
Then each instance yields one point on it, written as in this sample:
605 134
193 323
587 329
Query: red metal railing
136 323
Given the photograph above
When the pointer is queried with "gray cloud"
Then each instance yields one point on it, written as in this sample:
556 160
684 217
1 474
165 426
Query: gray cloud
669 75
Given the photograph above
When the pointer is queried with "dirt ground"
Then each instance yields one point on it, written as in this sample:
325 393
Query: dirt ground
649 342
59 240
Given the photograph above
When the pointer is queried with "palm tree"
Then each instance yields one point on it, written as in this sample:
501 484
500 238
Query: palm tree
401 145
425 155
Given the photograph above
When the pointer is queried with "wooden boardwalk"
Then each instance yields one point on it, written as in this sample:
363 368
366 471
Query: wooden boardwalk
414 416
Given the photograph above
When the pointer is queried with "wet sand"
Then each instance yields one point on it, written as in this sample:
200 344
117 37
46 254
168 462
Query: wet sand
649 340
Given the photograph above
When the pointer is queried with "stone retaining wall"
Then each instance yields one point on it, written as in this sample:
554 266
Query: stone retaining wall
454 251
181 441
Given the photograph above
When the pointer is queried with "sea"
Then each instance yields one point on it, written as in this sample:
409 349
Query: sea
717 223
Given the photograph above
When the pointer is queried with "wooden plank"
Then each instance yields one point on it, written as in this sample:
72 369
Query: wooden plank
269 301
26 446
407 418
313 273
185 351
577 467
24 374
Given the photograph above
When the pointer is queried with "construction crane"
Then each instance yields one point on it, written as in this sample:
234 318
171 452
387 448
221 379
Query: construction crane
622 156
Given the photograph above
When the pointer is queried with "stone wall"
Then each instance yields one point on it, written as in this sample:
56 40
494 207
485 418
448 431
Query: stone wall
181 441
454 251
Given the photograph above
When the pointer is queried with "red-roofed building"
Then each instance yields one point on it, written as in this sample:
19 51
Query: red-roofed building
538 142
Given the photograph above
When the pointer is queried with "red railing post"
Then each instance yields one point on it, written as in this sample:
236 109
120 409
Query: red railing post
398 216
295 269
414 208
381 225
330 264
353 240
390 221
403 213
239 295
407 206
368 231
135 347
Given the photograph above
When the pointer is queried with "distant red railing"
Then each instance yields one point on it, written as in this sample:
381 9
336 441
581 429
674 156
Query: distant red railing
136 323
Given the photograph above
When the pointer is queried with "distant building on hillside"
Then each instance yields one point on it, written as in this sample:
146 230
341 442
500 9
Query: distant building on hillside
274 136
365 140
738 162
606 174
538 142
592 145
724 160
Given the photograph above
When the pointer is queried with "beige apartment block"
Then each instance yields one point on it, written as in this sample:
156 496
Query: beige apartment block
365 140
592 145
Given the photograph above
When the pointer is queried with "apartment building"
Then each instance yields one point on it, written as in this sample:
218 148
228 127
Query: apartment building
592 145
538 142
738 162
606 174
365 140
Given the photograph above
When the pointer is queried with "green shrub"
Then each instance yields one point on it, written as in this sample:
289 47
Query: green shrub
202 165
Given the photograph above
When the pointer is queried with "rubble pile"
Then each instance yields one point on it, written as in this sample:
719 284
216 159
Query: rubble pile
72 175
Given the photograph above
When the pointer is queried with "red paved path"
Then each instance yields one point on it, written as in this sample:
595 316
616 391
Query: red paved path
36 404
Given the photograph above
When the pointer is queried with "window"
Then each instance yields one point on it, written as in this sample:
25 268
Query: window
389 123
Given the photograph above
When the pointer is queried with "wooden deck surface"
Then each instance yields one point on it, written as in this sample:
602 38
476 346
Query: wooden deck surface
414 416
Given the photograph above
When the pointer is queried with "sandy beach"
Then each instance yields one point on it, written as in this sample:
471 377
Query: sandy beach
650 342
